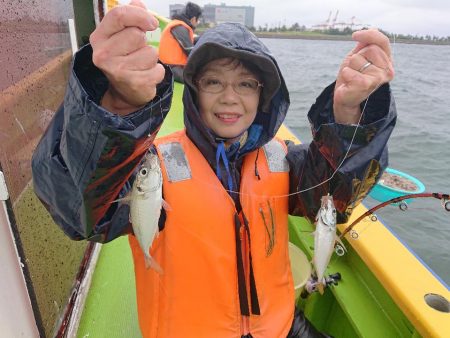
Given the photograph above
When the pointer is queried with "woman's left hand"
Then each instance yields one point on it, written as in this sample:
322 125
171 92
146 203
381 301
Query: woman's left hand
364 69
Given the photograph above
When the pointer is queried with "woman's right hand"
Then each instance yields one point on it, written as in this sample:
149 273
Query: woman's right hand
121 52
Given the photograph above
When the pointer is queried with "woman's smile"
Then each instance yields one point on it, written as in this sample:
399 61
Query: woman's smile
228 118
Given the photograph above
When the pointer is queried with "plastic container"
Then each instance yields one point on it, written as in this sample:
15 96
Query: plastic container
382 193
301 268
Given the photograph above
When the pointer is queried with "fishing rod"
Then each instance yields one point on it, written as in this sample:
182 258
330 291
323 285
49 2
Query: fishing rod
445 198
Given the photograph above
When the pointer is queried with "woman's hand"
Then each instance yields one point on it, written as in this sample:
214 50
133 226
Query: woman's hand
120 50
364 69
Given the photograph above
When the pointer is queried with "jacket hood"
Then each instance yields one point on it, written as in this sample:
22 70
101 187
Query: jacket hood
184 18
235 40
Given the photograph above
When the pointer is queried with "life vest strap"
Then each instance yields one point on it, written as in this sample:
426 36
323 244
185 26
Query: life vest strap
253 294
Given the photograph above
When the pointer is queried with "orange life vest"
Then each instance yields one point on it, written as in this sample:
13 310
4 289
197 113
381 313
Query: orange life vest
170 51
198 294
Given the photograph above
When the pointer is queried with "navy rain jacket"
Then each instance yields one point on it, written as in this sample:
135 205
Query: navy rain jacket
87 157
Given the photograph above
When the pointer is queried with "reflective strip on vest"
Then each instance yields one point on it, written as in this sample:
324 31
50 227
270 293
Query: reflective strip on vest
276 157
178 168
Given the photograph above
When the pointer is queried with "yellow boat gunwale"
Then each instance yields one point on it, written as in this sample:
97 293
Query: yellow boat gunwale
401 272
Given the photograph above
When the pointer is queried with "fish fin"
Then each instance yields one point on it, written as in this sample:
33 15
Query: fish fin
151 263
166 205
125 199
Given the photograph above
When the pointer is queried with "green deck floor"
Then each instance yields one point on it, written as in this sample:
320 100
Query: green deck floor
110 308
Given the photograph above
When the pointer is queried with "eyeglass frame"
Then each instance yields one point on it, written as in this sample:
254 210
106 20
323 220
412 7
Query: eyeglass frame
227 83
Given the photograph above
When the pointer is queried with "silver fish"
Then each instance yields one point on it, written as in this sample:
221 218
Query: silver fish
146 202
324 239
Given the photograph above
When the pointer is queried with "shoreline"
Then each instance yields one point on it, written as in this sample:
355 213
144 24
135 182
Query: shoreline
331 37
272 35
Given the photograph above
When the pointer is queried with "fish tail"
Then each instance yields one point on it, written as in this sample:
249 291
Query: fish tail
320 288
151 263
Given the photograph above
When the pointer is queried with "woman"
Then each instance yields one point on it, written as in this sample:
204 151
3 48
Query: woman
226 177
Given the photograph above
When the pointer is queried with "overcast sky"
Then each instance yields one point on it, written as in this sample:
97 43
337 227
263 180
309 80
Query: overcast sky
419 17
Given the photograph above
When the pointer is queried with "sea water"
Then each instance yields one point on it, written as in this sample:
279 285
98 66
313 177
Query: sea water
419 145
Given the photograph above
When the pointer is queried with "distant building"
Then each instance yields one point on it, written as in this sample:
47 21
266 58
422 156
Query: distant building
175 9
215 14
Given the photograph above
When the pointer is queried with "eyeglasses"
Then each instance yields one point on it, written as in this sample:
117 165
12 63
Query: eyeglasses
214 85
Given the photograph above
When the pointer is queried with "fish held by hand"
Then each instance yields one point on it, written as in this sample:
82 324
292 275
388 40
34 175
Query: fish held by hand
145 200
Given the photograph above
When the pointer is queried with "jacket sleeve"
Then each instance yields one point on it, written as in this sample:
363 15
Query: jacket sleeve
181 34
342 160
87 155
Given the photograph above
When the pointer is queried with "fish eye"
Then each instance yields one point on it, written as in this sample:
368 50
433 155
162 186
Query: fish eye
143 172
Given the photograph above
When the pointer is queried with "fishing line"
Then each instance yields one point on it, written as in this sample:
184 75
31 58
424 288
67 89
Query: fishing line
319 184
349 147
230 191
346 154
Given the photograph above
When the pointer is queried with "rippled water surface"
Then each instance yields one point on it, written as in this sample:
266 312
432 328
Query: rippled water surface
420 144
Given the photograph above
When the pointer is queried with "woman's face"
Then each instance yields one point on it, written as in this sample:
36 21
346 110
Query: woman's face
228 96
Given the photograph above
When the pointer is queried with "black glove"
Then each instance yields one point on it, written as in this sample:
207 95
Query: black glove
302 328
